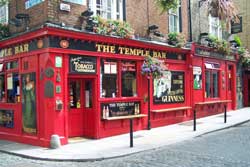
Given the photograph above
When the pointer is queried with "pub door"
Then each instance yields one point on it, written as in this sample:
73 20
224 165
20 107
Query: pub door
246 89
80 101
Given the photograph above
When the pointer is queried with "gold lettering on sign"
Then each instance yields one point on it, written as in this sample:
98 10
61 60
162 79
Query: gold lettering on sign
105 48
21 48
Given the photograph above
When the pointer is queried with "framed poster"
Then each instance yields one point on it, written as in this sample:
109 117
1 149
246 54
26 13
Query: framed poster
197 77
169 88
29 102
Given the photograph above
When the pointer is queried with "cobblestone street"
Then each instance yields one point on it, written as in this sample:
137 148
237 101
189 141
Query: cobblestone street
227 148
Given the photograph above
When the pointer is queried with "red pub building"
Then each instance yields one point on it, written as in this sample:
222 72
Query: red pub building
56 81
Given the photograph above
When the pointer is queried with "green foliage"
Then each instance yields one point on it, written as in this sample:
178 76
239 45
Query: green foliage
221 46
3 2
4 31
112 27
166 5
237 40
177 39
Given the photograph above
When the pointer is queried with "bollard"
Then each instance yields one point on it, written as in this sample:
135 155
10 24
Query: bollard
55 142
225 114
194 120
131 132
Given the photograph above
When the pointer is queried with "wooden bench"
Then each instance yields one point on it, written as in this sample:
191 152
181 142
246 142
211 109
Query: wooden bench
171 109
126 117
213 102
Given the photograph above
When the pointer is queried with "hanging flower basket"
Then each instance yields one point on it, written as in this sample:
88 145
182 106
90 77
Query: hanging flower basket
153 67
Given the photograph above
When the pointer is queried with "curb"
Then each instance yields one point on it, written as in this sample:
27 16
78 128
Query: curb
118 156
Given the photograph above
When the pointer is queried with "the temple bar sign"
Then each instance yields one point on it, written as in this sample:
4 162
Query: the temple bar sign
236 27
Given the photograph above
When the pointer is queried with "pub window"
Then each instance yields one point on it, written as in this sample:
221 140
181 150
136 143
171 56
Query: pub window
212 80
2 88
12 65
109 78
13 88
128 79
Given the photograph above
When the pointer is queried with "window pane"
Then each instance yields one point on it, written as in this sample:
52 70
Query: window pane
12 65
2 88
128 79
88 94
208 84
215 84
109 79
75 98
13 88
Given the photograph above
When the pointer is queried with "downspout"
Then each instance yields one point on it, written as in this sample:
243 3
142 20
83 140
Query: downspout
190 21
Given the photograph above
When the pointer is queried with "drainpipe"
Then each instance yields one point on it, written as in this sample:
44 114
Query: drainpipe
190 21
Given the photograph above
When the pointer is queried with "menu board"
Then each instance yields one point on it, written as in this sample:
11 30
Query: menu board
119 109
169 88
7 118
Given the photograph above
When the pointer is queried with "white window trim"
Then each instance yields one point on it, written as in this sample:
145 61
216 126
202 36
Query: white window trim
92 5
178 19
215 22
72 1
6 16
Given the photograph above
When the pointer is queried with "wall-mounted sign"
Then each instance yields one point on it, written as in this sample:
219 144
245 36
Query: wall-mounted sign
236 27
205 52
120 109
7 118
31 3
197 77
58 60
82 64
15 50
64 44
169 88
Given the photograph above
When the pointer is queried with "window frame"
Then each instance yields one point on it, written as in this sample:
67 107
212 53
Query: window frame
6 71
211 83
4 19
119 78
103 9
214 23
83 2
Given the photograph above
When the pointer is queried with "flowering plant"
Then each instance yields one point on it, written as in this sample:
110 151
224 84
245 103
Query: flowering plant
153 66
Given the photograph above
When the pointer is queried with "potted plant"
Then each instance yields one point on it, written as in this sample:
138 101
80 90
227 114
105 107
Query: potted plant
4 31
176 39
166 5
112 27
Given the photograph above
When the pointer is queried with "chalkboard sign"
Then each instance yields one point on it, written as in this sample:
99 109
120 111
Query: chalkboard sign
82 64
7 118
119 109
169 88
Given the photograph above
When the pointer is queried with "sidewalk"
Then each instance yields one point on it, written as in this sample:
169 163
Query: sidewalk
117 146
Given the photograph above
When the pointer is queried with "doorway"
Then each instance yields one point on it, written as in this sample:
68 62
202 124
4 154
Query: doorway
80 104
230 85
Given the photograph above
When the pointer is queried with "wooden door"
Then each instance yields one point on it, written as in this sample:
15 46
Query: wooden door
75 116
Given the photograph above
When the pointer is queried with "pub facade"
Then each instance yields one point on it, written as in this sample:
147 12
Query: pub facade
74 84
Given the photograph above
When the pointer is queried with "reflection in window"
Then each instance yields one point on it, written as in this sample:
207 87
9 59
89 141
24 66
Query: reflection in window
109 79
13 88
75 98
2 88
128 79
88 94
212 83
